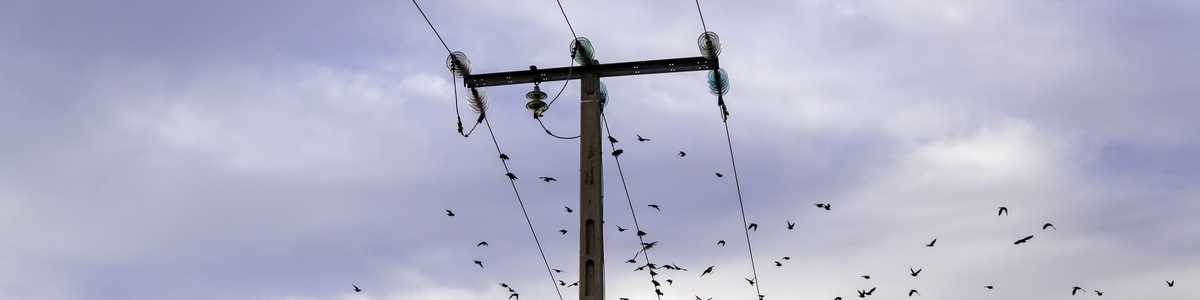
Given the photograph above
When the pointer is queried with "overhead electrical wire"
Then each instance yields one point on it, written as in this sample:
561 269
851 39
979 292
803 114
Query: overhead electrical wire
641 240
481 107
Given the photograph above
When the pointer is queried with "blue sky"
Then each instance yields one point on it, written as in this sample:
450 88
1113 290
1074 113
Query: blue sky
284 150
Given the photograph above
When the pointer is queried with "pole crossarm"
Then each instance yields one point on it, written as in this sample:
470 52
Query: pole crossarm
686 64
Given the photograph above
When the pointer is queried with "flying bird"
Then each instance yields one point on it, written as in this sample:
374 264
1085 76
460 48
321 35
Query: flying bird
1076 289
655 206
480 263
642 139
787 257
1048 225
870 291
751 281
670 282
931 243
568 209
1003 211
515 295
791 225
557 270
719 174
511 176
356 289
449 213
682 154
721 243
752 226
619 229
823 205
706 271
618 152
480 244
1026 239
563 231
911 292
914 273
562 283
1170 283
612 140
866 276
778 264
987 287
547 179
1098 293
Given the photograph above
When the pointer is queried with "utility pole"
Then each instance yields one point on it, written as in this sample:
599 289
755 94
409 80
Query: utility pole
591 151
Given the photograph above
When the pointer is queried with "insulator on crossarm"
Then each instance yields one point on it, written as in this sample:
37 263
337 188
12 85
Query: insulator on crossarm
718 82
710 45
603 95
458 64
582 52
477 100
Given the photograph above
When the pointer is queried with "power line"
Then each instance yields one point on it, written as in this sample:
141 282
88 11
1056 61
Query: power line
645 249
741 204
439 36
513 181
701 16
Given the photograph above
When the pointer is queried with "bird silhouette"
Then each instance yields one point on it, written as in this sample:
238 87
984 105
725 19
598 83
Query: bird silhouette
568 209
862 294
1098 293
670 282
655 206
866 276
682 154
914 273
618 152
356 289
822 205
563 231
787 257
1170 283
1026 239
480 263
515 295
911 292
1048 225
481 244
641 233
573 284
631 261
987 287
752 226
449 213
870 291
706 271
720 175
778 264
511 176
721 243
612 140
503 156
1076 289
619 229
547 179
562 283
557 270
838 298
791 225
642 139
931 243
751 281
1003 211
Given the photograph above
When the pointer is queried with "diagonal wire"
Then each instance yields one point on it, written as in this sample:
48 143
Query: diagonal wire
457 114
701 16
742 205
645 251
522 204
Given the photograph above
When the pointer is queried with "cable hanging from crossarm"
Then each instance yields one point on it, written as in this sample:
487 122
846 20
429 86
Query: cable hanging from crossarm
644 247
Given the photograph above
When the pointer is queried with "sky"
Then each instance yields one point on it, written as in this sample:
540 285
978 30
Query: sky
284 150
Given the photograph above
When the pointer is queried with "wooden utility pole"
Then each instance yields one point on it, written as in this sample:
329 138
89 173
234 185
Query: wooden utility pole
591 151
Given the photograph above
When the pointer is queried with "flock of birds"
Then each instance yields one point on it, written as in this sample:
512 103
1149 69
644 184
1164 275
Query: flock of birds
654 269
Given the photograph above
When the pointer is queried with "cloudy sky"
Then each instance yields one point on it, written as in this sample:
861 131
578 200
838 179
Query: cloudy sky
289 150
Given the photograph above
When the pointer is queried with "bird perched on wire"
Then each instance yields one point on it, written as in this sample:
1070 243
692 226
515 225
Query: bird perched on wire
503 156
511 176
642 139
547 179
618 152
612 139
